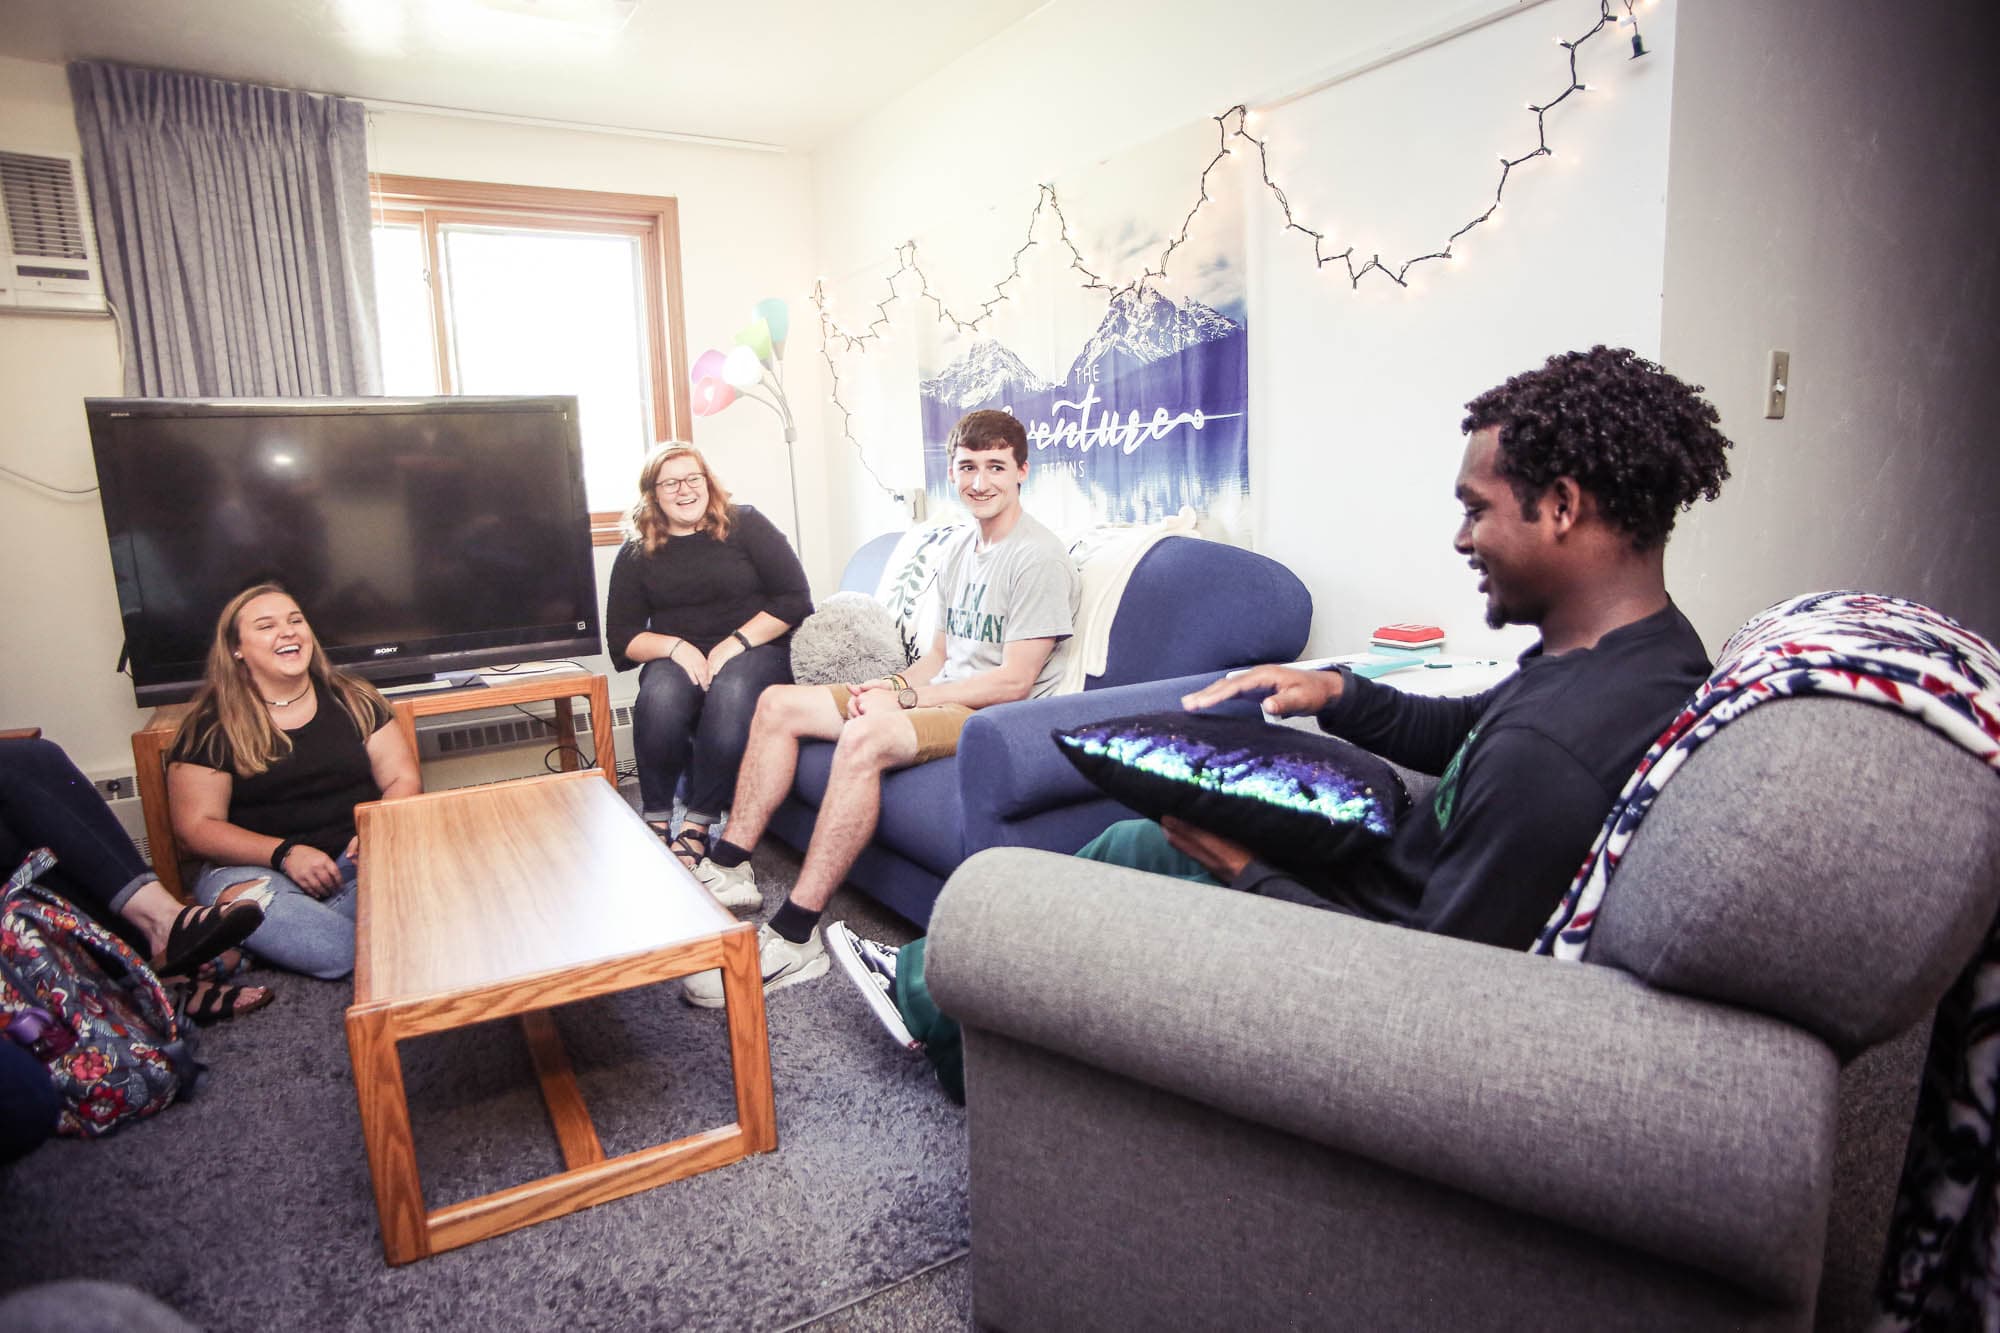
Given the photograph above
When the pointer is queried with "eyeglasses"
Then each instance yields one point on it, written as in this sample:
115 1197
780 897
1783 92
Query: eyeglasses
673 485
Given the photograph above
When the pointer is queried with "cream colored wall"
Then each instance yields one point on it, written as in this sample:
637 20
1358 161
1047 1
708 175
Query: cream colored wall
60 648
1832 193
745 235
1355 398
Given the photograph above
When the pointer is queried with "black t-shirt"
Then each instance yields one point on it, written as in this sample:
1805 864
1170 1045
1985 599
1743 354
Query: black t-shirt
700 589
1529 770
308 794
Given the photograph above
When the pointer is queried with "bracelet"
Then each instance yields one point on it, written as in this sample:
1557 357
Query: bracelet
896 678
676 648
284 849
741 638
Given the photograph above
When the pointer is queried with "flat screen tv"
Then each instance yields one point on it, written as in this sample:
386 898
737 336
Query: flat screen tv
420 535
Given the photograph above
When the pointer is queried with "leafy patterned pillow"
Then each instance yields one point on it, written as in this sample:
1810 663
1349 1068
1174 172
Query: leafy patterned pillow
908 578
1299 801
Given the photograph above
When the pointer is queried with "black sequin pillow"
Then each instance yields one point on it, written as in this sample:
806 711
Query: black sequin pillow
1298 800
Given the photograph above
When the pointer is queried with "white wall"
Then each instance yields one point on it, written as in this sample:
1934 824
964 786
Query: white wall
744 235
1355 397
1832 193
61 645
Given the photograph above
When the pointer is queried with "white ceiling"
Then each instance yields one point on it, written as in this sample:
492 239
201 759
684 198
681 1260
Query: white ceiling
786 72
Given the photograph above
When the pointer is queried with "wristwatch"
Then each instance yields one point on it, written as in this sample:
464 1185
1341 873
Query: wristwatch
907 697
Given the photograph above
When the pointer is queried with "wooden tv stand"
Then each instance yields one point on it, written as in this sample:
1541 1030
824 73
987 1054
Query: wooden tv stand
151 742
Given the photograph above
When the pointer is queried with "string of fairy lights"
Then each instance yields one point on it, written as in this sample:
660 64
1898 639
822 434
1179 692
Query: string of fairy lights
1230 125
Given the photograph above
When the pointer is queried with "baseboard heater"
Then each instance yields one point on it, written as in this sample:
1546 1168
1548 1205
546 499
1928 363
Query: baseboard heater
449 737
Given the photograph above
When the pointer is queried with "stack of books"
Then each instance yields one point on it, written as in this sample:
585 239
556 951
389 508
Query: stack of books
1409 636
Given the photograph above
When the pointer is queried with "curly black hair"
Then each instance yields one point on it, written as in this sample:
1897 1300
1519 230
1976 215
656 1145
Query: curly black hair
1643 443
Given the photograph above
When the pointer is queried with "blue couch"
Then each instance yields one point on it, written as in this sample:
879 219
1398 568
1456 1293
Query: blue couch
1191 610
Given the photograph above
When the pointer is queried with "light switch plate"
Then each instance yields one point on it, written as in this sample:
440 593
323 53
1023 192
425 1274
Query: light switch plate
1777 383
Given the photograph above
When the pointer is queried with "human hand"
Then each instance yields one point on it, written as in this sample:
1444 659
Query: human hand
721 653
1290 690
352 852
1218 855
691 660
312 870
872 697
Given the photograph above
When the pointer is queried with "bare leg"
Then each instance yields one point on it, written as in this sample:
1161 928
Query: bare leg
868 747
786 714
153 910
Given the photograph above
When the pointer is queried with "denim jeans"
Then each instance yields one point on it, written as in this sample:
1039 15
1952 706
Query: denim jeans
29 1103
678 728
300 933
46 802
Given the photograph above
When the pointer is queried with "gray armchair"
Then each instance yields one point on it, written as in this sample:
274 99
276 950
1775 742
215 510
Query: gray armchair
1191 1108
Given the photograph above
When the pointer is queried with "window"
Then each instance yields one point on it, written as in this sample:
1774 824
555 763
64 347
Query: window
508 289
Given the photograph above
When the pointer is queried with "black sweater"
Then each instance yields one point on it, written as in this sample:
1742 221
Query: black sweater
1530 768
699 589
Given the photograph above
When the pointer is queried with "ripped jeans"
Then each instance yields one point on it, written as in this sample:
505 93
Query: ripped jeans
300 933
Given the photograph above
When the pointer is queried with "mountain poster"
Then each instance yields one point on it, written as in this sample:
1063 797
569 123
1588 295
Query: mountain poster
1135 399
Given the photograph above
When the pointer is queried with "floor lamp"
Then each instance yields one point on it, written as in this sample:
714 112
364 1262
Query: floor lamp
754 368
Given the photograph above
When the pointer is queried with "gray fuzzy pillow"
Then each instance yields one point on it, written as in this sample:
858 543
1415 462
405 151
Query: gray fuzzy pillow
850 638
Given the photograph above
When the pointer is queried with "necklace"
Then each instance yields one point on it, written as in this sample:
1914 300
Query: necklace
285 703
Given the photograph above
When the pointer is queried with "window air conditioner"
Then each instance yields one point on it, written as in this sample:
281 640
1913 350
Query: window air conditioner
48 252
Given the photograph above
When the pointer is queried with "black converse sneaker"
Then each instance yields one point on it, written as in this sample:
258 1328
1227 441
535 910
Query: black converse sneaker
872 969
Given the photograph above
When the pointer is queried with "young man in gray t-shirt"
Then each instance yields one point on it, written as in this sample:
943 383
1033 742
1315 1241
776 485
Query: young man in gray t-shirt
1010 594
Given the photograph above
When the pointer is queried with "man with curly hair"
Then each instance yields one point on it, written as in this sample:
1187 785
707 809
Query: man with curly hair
1570 483
1571 479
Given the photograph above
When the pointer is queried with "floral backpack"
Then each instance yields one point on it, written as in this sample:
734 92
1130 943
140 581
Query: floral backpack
80 998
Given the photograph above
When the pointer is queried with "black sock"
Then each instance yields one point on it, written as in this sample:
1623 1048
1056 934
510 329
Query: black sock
793 922
727 854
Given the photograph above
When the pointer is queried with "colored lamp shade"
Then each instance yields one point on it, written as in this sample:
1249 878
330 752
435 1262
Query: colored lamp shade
711 390
777 318
711 395
707 366
741 369
757 337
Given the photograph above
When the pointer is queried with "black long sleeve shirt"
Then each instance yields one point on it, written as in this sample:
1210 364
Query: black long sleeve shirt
1529 770
700 589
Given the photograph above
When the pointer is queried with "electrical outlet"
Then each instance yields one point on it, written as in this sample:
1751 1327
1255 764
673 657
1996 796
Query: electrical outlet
1777 383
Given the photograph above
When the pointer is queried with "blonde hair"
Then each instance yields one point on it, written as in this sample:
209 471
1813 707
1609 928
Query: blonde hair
230 706
644 523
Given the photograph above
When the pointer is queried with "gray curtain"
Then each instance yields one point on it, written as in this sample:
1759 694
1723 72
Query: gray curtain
233 222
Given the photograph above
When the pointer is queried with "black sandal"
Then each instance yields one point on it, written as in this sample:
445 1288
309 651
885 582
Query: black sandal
201 933
691 846
212 1002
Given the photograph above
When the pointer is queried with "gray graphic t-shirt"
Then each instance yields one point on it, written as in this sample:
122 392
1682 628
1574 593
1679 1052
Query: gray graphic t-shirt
1023 586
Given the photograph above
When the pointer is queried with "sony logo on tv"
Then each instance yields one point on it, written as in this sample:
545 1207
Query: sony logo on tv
389 650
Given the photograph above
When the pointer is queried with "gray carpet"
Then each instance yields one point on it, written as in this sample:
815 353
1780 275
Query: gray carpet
249 1207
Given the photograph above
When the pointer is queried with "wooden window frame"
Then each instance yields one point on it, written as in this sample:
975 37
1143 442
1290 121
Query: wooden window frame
431 203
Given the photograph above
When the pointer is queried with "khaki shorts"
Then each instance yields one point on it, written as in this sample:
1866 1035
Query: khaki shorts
937 726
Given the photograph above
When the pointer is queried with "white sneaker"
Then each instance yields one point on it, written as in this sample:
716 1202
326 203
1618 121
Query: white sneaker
781 962
734 888
872 969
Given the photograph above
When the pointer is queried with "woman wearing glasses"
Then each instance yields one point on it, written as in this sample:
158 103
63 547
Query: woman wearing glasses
704 597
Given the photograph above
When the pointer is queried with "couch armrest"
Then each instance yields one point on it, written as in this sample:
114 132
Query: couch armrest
1691 1131
1192 604
1008 768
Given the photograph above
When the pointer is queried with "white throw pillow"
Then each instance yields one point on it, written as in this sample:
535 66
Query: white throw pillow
909 582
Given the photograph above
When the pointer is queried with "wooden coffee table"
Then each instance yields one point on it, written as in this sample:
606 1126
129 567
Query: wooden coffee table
505 900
